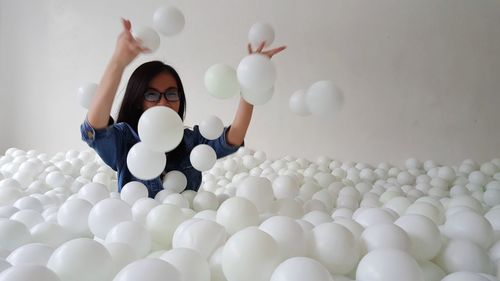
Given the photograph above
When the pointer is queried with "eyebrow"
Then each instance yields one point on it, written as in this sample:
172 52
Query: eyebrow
171 88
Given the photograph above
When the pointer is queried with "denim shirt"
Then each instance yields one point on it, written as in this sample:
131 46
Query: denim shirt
113 143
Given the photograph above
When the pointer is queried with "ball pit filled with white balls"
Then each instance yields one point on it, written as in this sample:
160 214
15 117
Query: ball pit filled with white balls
252 219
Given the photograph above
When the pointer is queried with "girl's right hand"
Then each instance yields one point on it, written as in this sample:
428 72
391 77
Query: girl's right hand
127 47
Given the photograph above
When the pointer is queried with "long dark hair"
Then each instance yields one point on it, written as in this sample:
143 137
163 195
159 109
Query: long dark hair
131 107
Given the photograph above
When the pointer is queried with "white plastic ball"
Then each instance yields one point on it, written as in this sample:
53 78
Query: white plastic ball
203 157
211 127
73 215
32 254
55 179
471 226
191 265
28 273
424 235
259 33
464 276
177 200
141 208
86 93
132 234
388 265
133 191
106 214
335 247
162 221
121 255
221 81
463 255
160 128
324 98
298 104
205 200
491 197
285 187
13 234
371 216
385 236
288 235
72 260
258 190
175 181
256 73
50 233
168 21
257 97
93 192
148 38
237 213
250 255
299 269
203 236
145 163
151 269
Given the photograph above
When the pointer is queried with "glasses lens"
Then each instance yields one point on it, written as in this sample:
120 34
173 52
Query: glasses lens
152 96
172 95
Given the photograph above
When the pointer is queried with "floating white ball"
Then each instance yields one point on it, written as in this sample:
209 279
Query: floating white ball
261 32
168 20
324 98
298 104
203 157
148 37
257 97
160 128
145 163
221 81
133 191
175 181
86 93
211 127
256 73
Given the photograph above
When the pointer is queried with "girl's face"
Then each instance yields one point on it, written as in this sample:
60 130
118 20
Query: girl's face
163 83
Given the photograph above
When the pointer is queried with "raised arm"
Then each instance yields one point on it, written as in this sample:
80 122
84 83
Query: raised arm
243 116
127 49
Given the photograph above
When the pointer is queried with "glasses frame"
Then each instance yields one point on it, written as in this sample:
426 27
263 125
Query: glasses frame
171 95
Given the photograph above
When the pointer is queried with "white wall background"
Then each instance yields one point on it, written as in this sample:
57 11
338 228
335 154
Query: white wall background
420 78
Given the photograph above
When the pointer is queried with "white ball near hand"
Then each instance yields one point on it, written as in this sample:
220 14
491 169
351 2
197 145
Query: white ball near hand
168 20
148 37
256 73
86 93
261 32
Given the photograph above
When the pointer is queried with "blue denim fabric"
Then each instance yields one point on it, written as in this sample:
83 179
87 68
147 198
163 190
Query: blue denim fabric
113 143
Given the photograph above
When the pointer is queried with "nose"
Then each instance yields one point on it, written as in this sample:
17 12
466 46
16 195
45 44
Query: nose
163 101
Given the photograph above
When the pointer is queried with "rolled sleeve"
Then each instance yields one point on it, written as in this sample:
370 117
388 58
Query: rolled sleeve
89 134
107 142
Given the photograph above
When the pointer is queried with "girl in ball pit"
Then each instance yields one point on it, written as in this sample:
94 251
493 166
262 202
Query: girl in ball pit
151 84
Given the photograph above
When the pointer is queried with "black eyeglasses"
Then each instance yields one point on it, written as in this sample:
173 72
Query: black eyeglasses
171 95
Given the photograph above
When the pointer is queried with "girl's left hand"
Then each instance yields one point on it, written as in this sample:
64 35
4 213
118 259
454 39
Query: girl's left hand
268 53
